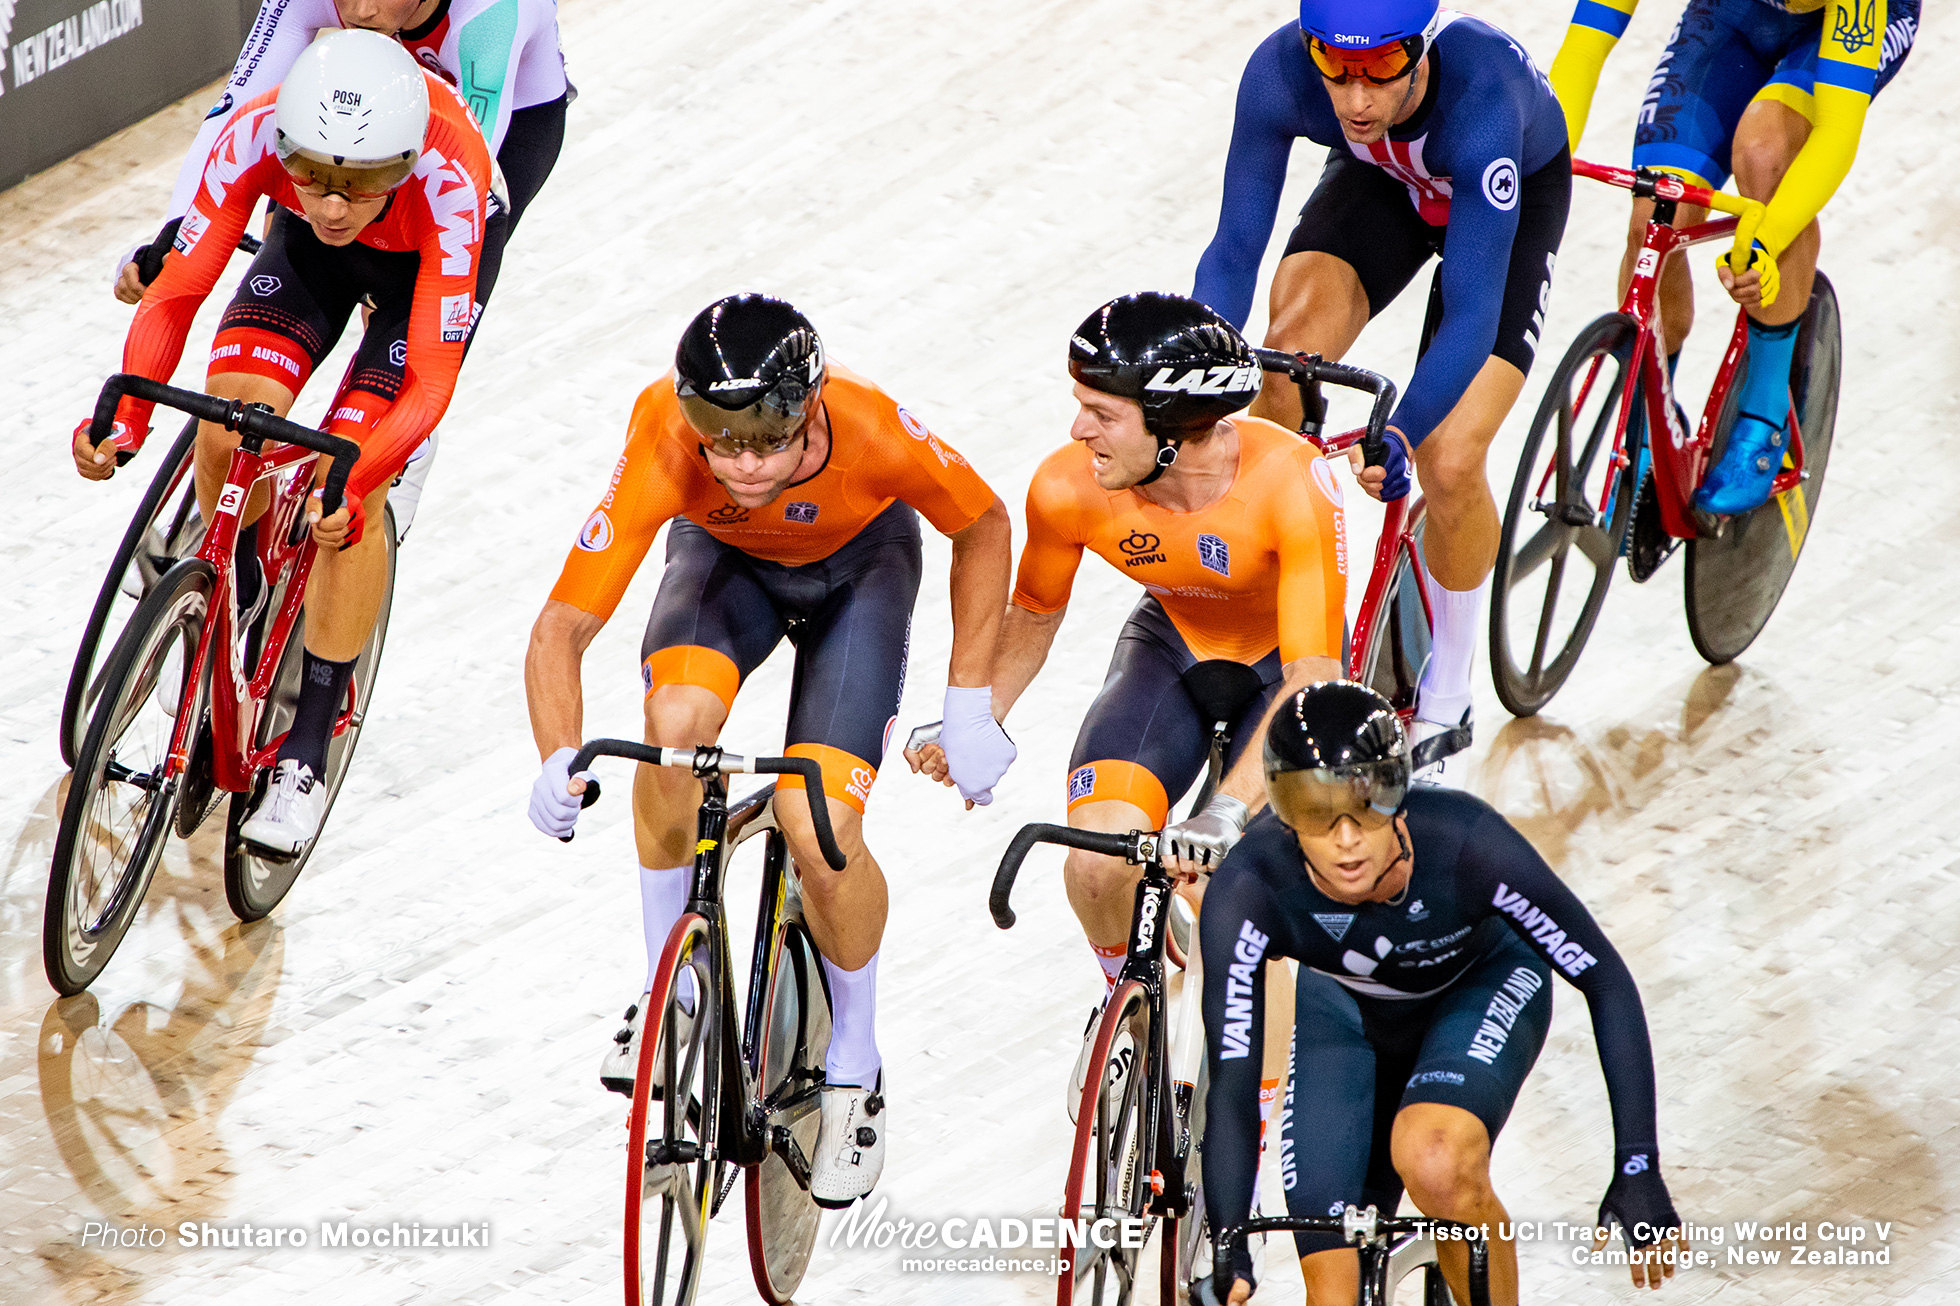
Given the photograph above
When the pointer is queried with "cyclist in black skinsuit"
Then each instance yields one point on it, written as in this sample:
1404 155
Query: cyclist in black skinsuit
1427 931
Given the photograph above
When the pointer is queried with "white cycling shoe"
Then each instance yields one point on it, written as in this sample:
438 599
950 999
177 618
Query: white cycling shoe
1121 1056
622 1059
289 818
850 1144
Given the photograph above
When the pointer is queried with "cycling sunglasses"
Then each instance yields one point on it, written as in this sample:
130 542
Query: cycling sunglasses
733 444
1378 65
354 185
1314 802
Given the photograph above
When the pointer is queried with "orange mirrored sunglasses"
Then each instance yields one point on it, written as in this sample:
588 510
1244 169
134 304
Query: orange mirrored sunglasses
1380 64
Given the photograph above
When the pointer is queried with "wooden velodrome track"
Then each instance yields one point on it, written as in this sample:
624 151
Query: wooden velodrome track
947 189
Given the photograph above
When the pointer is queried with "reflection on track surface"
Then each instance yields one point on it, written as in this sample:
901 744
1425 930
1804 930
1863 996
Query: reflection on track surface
412 1035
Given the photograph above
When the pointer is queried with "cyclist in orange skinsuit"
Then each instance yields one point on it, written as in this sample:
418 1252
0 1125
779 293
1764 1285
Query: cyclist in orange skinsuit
794 492
1233 525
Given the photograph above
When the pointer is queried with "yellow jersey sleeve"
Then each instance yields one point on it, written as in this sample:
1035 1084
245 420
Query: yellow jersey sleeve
1847 74
1596 28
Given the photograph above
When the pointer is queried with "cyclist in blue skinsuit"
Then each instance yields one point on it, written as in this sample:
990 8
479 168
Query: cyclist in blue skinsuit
1442 138
1427 932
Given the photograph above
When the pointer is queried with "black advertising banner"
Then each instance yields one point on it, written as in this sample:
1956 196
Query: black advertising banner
75 71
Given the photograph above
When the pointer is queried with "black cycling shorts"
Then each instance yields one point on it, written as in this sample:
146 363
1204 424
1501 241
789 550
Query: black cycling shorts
1358 1060
720 612
1364 217
1145 739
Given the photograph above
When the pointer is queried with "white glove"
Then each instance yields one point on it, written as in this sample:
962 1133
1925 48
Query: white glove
978 751
1204 839
554 808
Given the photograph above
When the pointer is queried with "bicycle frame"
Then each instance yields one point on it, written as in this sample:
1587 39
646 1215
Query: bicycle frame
1395 542
1682 459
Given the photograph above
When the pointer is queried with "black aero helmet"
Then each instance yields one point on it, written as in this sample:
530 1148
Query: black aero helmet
1336 749
747 373
1183 363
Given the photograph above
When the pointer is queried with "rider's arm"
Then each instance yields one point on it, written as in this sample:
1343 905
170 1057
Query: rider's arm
440 319
1597 26
1255 173
1476 262
1235 933
283 30
1025 638
983 564
552 686
1049 560
1528 896
511 55
1847 75
240 170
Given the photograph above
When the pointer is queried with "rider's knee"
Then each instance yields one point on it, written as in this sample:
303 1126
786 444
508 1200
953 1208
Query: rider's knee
1449 467
1442 1171
683 716
1094 877
800 833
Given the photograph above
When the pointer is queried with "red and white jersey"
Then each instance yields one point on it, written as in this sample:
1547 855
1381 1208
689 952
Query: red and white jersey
1403 161
438 212
501 55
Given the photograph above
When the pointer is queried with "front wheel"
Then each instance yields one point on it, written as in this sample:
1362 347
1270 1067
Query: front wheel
1565 518
782 1217
158 536
122 795
671 1138
255 883
1735 579
1109 1165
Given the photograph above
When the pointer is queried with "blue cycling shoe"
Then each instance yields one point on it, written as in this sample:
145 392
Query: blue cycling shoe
1740 481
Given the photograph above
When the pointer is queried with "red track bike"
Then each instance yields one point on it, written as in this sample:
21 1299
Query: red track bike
1592 487
188 709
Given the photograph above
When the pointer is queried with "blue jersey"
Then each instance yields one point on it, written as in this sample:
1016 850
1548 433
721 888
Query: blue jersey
1488 119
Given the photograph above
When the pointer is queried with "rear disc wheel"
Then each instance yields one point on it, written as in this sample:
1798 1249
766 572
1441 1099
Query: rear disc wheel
1734 580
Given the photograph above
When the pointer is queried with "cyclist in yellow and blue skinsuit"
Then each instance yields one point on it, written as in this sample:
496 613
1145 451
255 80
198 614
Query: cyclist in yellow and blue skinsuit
1774 91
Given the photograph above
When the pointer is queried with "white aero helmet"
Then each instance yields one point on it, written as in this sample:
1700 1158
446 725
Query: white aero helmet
352 114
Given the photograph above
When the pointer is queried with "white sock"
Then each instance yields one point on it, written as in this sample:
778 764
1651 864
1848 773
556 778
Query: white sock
1111 960
853 1056
663 897
1444 695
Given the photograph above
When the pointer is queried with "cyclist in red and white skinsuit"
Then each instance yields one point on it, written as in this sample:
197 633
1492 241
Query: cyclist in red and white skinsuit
406 233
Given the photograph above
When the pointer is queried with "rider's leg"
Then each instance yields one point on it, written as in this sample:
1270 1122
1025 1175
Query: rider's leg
1460 539
1333 1152
1766 142
665 800
1443 1155
1358 242
846 912
1318 307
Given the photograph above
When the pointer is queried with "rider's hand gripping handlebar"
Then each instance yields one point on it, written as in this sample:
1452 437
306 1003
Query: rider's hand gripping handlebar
254 420
1137 847
708 761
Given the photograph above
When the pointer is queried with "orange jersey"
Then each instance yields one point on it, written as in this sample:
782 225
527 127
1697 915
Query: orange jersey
438 212
1265 567
879 453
